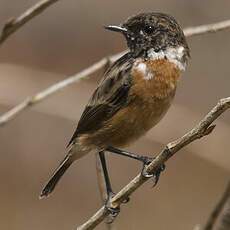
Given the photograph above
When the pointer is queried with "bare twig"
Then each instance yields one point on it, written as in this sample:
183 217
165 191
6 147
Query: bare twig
204 128
102 188
53 89
204 29
14 24
219 213
31 101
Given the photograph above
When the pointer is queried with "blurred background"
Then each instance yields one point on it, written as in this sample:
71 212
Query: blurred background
63 40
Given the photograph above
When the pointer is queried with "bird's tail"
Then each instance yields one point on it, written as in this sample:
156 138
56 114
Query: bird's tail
58 173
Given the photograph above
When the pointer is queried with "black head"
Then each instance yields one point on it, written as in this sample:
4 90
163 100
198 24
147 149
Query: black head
156 31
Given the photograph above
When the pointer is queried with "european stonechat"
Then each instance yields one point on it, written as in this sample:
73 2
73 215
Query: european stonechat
134 94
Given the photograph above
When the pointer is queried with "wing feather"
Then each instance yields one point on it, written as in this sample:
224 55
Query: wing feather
110 95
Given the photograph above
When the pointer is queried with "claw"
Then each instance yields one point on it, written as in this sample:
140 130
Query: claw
156 176
126 200
113 212
146 161
145 174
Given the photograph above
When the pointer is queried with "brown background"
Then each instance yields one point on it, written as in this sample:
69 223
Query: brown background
63 40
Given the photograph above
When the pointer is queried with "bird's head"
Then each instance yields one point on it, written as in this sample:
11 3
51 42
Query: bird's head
155 31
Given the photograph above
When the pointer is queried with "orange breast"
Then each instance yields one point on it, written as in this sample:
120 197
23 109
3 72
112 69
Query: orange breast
154 78
150 97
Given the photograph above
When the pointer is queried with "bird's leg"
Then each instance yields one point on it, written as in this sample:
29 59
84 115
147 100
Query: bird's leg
144 159
113 211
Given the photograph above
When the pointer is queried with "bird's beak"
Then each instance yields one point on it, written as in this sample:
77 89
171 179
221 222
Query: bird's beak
116 29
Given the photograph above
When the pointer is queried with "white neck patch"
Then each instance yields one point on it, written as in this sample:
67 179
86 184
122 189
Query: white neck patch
174 55
142 67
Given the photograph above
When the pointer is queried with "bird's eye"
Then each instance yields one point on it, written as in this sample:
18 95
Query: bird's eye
148 29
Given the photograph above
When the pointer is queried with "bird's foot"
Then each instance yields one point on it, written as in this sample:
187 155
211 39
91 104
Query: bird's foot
156 175
113 212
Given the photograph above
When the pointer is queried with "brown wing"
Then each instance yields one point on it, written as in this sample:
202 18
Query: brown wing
110 95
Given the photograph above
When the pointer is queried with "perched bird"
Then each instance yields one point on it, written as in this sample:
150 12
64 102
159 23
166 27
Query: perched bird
134 94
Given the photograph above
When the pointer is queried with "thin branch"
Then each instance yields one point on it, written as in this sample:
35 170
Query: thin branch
102 188
218 212
14 24
54 88
31 101
204 29
204 128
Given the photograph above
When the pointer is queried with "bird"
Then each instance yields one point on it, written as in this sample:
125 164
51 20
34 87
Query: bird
134 94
